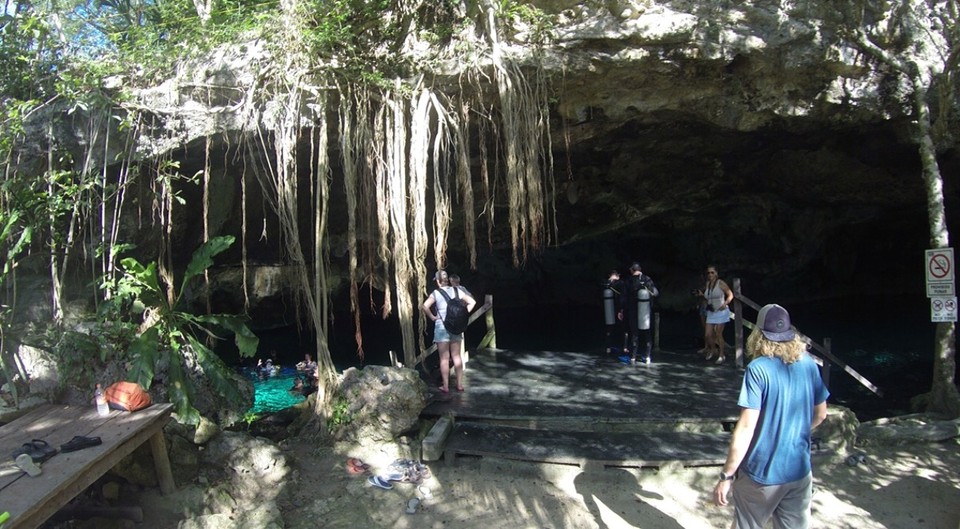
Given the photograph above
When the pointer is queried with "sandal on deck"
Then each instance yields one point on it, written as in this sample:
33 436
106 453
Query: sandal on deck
80 442
25 463
38 450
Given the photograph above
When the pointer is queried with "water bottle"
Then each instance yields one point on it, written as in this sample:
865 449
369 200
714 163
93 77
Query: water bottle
102 408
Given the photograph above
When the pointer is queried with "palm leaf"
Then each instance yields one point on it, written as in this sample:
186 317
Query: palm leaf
203 257
178 389
144 353
141 283
246 341
215 371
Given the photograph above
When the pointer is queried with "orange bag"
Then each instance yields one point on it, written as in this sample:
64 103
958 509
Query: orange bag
127 396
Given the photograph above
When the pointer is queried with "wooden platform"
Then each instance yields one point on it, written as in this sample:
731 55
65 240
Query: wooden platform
591 409
32 500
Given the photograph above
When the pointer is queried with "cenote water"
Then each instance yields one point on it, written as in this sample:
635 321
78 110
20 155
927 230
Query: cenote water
272 393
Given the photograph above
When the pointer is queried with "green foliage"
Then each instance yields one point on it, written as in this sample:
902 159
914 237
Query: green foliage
340 415
170 337
529 15
249 418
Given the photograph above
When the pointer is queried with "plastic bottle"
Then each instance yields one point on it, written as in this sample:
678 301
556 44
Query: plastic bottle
102 408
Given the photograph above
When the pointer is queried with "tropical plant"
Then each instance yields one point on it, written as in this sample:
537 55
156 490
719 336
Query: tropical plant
340 415
172 337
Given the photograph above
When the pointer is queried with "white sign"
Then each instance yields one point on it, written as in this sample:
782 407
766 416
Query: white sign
943 309
939 267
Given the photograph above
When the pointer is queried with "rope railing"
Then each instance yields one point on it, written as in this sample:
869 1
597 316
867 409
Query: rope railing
823 355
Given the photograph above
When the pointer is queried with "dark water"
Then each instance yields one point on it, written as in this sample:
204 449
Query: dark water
890 345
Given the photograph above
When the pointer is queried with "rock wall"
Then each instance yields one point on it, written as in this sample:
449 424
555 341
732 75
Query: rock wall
750 135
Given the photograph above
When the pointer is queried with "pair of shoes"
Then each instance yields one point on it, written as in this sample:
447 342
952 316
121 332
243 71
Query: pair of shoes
444 390
38 450
720 360
80 442
356 466
856 459
407 471
25 463
380 483
646 360
709 356
413 505
460 389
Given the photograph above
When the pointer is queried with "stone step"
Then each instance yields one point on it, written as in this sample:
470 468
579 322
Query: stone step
589 450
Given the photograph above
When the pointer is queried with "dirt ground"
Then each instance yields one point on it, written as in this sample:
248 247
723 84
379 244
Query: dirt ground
913 486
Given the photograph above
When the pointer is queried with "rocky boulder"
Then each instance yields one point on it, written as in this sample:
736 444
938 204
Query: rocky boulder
378 404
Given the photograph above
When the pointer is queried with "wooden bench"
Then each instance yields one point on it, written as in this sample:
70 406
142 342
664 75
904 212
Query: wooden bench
32 500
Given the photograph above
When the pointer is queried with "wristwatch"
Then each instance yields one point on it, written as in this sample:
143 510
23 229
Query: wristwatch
726 477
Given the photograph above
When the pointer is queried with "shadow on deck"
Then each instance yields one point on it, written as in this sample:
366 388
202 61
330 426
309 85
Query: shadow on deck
590 409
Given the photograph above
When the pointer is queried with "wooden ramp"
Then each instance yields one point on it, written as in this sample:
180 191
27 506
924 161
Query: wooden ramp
590 409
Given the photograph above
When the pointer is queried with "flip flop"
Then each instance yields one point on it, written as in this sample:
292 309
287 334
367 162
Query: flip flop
412 505
25 463
380 483
80 442
38 450
357 462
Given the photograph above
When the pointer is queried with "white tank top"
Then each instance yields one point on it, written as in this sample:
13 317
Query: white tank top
715 296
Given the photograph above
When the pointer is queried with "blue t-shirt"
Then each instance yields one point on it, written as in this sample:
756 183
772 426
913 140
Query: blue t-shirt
785 395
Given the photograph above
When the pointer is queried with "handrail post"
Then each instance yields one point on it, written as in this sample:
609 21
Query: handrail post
825 368
656 331
490 338
738 323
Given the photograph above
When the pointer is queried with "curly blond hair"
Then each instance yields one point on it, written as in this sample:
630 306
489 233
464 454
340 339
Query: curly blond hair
789 352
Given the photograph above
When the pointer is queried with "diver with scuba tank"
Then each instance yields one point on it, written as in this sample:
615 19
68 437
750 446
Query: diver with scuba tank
614 339
636 308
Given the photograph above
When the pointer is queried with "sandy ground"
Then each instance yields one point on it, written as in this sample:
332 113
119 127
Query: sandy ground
914 486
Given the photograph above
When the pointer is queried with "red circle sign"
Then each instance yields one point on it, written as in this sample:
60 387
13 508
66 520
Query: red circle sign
939 266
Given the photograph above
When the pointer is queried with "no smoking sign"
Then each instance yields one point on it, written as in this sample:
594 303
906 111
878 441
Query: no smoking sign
939 268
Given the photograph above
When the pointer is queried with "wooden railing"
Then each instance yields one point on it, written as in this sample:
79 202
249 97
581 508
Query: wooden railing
489 339
823 355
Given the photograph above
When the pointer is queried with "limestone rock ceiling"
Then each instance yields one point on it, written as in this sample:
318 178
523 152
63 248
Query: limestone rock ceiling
683 133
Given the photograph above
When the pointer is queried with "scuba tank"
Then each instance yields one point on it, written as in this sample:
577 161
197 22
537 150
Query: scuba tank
609 305
643 308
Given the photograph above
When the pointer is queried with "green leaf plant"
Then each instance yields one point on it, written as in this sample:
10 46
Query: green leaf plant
171 338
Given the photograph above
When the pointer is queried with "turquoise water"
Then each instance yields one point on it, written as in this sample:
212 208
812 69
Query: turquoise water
273 394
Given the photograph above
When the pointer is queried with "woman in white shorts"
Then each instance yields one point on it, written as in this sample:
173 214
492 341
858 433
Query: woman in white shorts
448 344
718 296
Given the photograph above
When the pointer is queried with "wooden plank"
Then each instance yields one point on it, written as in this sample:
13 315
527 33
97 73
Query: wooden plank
31 501
587 448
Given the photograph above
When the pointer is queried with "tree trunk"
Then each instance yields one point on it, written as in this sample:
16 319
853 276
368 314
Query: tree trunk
943 396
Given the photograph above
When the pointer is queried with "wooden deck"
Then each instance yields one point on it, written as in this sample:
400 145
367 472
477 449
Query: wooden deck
590 409
32 500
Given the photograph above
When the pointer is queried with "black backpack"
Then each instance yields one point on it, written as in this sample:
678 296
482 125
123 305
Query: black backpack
457 318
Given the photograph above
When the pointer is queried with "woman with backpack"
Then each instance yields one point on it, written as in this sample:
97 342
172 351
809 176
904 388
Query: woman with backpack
453 306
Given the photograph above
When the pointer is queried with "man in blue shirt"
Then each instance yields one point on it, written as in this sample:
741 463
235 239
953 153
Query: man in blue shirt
782 399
